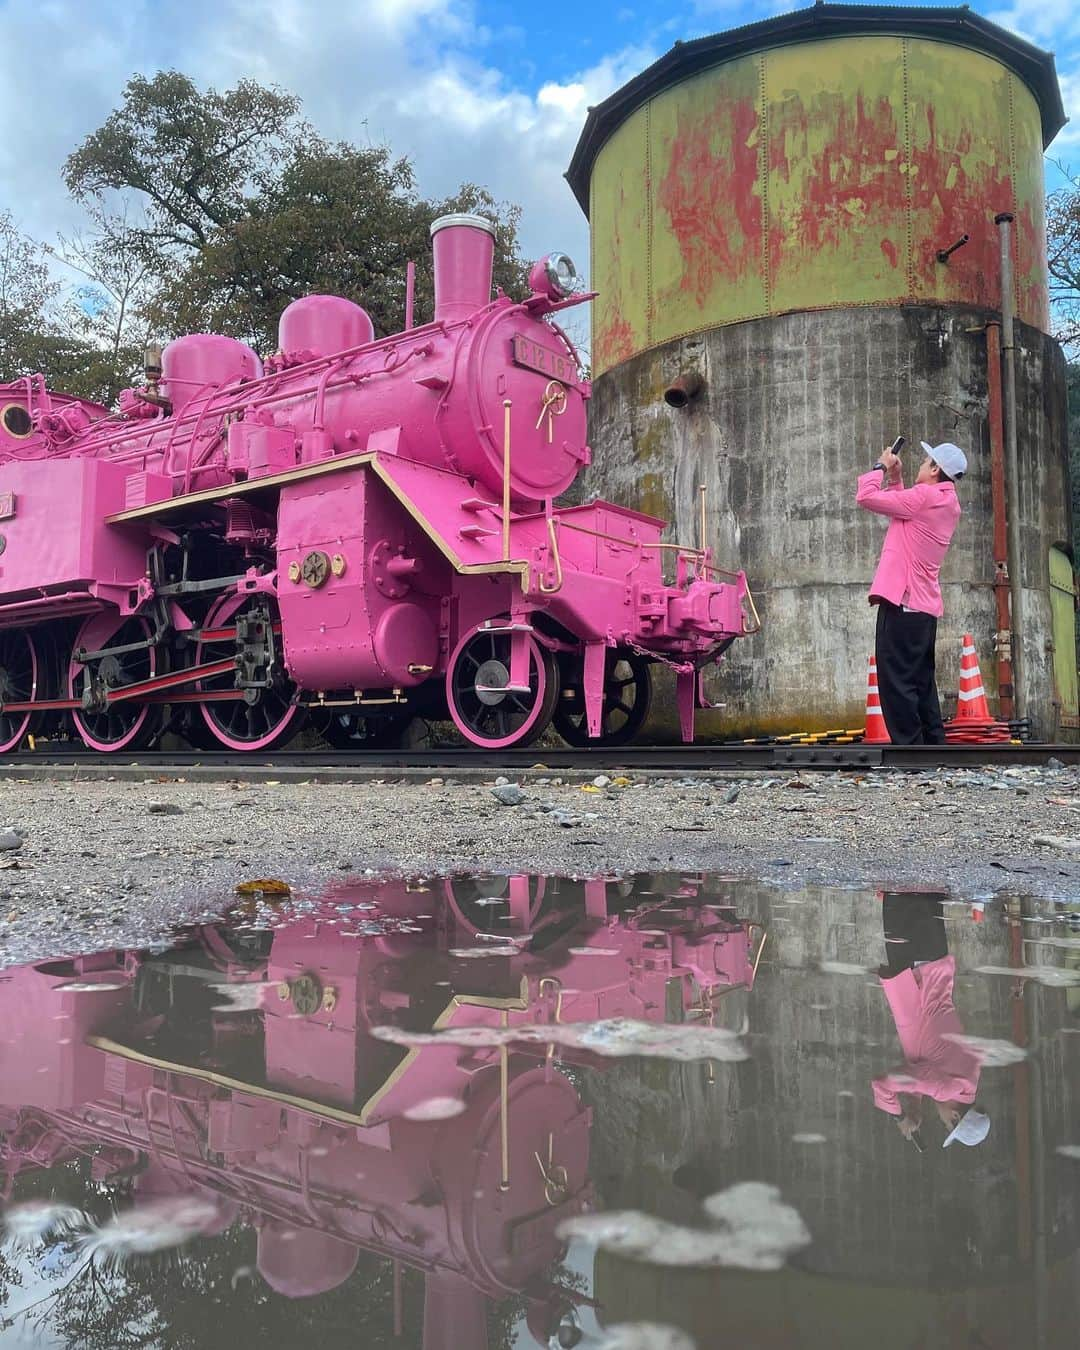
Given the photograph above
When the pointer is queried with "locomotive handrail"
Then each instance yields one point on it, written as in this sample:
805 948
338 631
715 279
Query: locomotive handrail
753 609
698 554
211 390
553 545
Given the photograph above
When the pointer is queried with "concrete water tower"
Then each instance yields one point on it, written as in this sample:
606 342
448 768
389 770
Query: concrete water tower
804 218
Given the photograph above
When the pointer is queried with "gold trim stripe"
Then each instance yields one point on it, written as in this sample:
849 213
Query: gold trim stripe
222 1080
368 459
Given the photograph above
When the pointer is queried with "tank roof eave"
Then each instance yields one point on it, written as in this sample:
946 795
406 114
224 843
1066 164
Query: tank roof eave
958 25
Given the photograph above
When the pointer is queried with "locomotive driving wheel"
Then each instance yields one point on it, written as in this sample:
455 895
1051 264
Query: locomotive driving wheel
268 715
20 674
484 707
127 657
627 696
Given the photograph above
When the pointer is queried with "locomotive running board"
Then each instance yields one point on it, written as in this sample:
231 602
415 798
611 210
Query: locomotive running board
247 488
402 478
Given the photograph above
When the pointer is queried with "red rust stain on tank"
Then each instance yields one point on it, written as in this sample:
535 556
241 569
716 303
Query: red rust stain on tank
614 343
962 182
839 156
710 193
615 340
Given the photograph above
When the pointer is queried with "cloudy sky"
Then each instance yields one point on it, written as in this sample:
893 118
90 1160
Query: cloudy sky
493 91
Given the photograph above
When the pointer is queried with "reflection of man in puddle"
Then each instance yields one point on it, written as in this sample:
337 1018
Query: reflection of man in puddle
918 982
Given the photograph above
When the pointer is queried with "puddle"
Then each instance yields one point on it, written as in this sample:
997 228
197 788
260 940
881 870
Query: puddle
494 1112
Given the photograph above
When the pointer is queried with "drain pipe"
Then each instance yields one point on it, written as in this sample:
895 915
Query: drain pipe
1002 635
1012 469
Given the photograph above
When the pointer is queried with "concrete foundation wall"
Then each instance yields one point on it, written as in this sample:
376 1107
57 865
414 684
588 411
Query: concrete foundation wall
795 407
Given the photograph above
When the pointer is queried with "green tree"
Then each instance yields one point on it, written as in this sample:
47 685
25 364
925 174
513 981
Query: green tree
105 318
38 332
236 207
28 295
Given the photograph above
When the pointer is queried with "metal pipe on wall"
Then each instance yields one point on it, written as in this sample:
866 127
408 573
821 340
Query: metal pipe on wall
1004 222
1003 627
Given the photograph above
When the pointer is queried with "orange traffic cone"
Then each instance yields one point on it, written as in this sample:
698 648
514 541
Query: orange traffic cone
876 733
971 703
973 722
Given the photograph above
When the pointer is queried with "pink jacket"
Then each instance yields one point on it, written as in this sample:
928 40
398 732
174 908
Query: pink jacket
923 520
922 1007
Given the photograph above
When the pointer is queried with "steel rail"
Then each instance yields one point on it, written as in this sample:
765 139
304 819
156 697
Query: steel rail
693 759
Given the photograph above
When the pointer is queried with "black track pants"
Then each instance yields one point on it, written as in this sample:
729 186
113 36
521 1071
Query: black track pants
905 667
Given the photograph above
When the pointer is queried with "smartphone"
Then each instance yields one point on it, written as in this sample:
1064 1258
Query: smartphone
895 449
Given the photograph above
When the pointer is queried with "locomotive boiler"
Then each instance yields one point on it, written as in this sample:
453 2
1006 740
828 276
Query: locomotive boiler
352 533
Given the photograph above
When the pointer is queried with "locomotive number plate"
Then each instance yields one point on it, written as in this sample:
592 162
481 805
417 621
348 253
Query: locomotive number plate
7 505
555 364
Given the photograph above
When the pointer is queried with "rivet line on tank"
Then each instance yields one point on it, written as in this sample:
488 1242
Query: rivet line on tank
909 184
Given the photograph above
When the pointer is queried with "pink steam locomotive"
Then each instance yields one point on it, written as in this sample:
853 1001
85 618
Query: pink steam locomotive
349 534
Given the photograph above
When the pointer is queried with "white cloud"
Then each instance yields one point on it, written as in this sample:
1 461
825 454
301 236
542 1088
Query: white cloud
1069 137
1048 23
568 98
421 75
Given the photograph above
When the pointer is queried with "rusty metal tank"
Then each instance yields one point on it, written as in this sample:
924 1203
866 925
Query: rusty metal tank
772 212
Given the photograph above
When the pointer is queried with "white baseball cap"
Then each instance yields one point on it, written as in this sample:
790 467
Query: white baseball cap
948 457
972 1127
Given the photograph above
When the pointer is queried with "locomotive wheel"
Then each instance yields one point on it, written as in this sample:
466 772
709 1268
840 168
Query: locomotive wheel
351 729
20 674
627 696
482 708
274 718
470 899
117 726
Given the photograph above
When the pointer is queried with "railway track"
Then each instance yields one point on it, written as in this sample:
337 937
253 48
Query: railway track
459 763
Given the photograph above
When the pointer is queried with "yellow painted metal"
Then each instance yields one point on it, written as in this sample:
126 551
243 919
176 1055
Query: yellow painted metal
837 175
619 215
815 175
706 239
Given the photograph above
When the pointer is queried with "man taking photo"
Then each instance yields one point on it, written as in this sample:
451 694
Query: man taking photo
906 589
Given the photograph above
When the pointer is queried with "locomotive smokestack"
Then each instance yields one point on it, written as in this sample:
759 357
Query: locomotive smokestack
464 248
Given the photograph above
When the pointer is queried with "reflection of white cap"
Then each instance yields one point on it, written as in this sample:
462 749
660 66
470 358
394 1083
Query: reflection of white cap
972 1129
949 458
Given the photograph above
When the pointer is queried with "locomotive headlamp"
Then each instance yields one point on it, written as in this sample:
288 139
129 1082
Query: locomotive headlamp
555 274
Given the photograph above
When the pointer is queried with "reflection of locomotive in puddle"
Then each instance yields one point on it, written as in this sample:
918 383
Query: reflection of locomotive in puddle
241 1065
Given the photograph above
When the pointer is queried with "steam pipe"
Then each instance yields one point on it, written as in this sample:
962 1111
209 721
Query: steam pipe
1012 469
1002 635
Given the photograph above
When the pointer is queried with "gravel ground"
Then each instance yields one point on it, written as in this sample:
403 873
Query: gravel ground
117 863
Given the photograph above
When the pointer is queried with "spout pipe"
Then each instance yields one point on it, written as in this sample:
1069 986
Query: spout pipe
681 391
944 254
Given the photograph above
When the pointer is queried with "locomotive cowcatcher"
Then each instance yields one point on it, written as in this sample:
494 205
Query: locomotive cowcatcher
355 532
